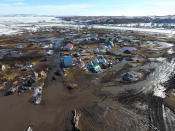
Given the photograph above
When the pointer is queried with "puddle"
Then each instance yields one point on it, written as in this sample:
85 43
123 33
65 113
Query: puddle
160 59
124 49
43 39
164 45
156 45
17 54
58 42
4 52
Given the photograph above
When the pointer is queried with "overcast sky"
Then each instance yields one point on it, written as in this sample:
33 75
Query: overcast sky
88 7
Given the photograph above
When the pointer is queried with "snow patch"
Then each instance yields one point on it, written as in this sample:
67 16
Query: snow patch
170 51
160 91
162 73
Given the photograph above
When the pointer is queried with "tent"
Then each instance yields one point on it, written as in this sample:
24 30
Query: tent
95 68
69 46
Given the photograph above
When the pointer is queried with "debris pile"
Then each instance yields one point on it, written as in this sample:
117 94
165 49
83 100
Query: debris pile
75 120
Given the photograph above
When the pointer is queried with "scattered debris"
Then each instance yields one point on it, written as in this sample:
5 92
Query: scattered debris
29 128
71 85
75 120
37 94
96 50
132 76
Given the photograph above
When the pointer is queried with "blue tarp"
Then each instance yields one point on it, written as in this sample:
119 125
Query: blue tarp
68 61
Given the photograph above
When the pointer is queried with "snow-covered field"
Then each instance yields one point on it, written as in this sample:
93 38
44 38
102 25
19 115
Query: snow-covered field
14 25
18 24
161 31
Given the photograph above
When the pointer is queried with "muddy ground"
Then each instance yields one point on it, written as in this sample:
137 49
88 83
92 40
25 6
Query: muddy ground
105 103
